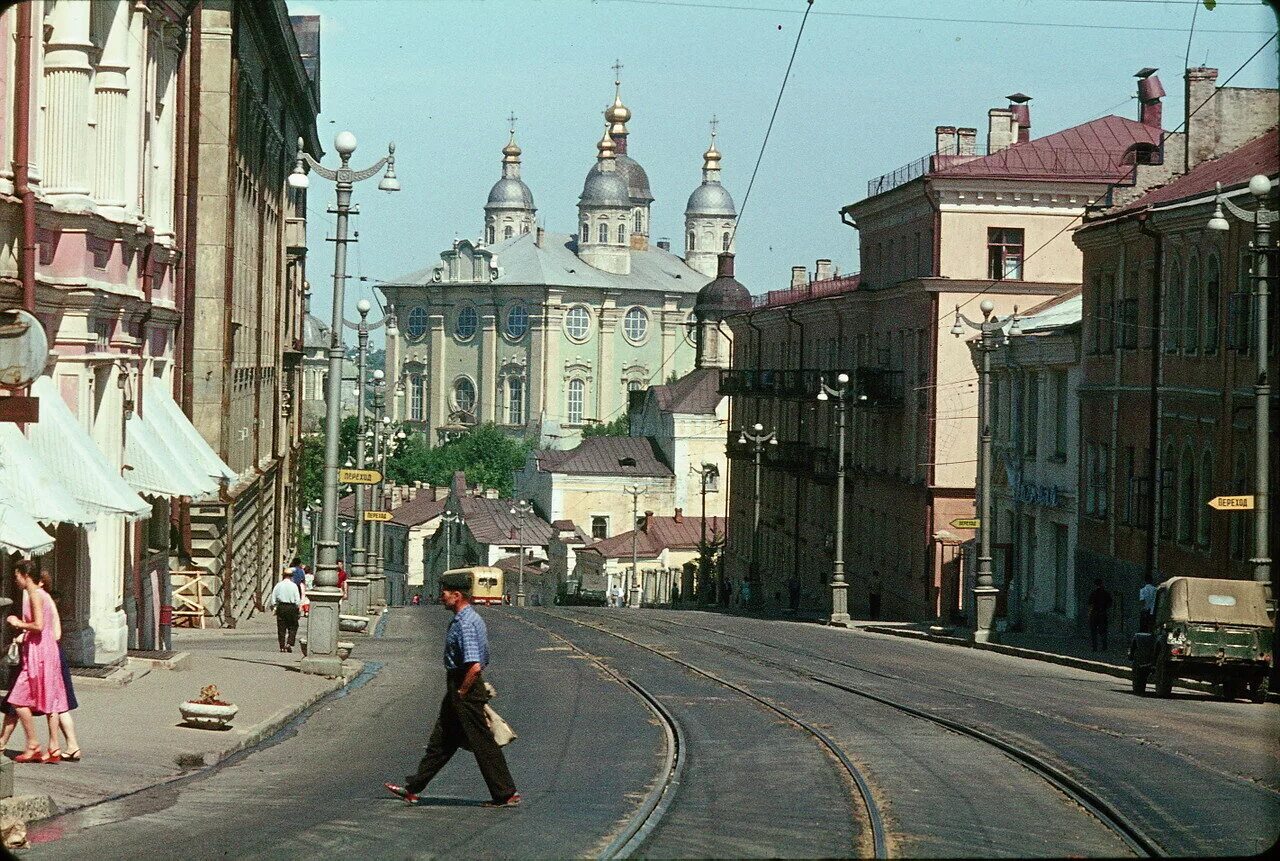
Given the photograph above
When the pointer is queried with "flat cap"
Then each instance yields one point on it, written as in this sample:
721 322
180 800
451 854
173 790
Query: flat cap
455 581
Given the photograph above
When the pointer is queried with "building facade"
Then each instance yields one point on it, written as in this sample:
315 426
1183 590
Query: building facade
664 551
544 333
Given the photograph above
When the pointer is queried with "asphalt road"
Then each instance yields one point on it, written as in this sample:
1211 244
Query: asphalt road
1198 776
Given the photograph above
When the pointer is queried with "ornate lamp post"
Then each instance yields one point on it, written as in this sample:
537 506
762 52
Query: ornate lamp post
520 511
839 587
1261 219
322 622
984 590
708 472
758 440
448 520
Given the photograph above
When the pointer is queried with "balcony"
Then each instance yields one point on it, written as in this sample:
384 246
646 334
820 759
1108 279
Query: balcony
882 387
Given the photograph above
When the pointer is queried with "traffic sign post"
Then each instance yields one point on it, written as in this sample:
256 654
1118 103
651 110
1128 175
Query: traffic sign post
377 516
1232 503
359 476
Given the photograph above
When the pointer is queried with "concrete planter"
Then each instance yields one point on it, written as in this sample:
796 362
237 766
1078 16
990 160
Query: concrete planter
344 649
207 715
353 624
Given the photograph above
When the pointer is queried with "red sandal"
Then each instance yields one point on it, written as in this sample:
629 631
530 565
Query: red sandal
53 757
31 754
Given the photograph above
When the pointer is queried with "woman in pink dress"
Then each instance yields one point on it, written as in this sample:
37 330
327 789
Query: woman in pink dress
39 686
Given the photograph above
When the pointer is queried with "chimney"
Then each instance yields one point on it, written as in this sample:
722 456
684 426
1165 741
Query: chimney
1021 115
724 265
1001 130
679 516
664 243
945 142
967 139
1201 137
1150 92
648 521
538 236
440 493
799 278
822 270
491 493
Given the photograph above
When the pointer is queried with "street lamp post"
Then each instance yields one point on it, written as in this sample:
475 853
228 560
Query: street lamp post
520 511
1262 218
322 621
381 439
633 589
984 590
758 440
839 586
706 473
357 583
448 519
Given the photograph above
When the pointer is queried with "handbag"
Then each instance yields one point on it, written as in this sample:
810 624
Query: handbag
501 731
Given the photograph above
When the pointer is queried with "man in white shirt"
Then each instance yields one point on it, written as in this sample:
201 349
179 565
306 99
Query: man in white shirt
1146 605
286 599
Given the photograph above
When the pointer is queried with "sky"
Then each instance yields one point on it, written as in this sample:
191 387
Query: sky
871 79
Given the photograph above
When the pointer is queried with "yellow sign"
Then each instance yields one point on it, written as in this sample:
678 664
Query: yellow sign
377 515
966 523
359 476
1232 503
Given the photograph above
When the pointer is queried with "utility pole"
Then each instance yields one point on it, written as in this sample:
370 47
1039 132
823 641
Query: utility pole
984 590
633 591
758 440
358 582
322 621
839 586
520 511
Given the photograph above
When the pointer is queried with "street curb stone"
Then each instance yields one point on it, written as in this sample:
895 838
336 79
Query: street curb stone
28 808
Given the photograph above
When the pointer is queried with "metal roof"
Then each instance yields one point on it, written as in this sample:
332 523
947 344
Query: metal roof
658 534
618 456
490 521
697 393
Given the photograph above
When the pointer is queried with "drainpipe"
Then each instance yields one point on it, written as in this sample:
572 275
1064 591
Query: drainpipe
188 113
22 157
1157 379
798 512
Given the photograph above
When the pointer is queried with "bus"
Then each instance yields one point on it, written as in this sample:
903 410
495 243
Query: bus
486 583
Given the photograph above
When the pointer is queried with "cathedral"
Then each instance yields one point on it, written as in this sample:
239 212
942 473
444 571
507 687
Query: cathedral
545 333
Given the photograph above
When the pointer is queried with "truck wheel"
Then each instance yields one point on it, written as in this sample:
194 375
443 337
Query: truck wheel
1163 678
1232 689
1140 680
1258 693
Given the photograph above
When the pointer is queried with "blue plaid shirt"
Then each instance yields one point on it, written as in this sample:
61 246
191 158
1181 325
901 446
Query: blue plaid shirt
467 640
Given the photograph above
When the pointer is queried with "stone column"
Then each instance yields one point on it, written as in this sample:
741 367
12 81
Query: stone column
67 159
111 106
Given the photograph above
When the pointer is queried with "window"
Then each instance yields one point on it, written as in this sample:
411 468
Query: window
634 385
1095 502
468 322
517 321
637 225
603 233
488 234
1187 508
622 234
724 241
508 232
585 232
1060 417
1168 489
1191 307
1172 322
1127 507
416 325
1004 253
415 397
1061 564
464 395
1128 337
600 525
691 244
1031 415
515 401
635 325
577 323
1212 301
1106 314
1205 486
577 391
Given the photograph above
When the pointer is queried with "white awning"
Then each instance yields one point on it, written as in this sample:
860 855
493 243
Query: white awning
20 534
155 468
169 419
71 454
30 486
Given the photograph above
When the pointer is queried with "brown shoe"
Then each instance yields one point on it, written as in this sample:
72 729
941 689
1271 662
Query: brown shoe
512 800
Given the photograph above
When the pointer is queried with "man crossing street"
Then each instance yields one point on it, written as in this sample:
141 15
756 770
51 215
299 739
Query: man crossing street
462 721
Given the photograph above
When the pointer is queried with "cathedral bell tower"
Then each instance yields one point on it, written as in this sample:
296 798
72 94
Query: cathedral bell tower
710 216
509 211
605 214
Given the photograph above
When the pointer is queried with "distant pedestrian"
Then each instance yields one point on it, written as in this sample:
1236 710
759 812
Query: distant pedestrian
1099 606
415 600
286 599
615 596
744 593
39 686
342 578
1147 605
875 591
462 721
297 572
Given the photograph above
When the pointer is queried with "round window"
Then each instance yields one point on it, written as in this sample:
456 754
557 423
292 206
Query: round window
635 325
577 323
468 322
416 325
517 321
464 395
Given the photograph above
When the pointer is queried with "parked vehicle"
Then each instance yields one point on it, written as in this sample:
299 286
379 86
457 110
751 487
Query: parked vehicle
486 583
1217 631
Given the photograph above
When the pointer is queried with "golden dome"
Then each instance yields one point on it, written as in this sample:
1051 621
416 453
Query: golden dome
618 113
511 152
607 148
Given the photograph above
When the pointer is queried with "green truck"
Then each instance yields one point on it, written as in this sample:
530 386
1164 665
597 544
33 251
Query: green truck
1218 631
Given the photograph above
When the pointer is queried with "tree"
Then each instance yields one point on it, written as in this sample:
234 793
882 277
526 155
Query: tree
621 426
485 454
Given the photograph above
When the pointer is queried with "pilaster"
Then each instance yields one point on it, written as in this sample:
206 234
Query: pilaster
487 384
66 81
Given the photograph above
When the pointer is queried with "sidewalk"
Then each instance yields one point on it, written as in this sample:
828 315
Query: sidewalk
133 737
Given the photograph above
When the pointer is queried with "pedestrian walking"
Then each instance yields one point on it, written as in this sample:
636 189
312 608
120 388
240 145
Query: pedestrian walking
342 578
297 572
744 593
1147 605
1099 606
39 686
462 721
875 591
63 721
286 600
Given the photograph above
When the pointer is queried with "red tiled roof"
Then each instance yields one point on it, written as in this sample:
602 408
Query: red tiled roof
419 510
1099 150
697 392
663 533
490 521
1260 155
347 505
619 456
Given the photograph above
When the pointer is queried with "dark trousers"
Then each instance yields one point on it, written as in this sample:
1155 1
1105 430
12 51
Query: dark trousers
1146 621
1098 632
286 624
462 724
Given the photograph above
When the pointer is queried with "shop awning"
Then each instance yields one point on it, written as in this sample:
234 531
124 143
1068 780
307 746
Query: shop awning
20 534
71 454
154 467
169 419
27 483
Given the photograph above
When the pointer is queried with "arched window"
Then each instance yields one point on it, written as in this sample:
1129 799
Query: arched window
416 323
602 235
464 395
1205 494
622 234
586 234
508 232
638 226
692 244
468 322
415 397
1173 308
1168 492
724 242
634 385
577 394
1212 299
515 401
635 325
517 321
524 228
1191 307
577 323
1187 508
488 234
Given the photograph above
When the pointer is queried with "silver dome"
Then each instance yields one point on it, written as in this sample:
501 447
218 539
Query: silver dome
605 189
636 178
510 193
711 198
